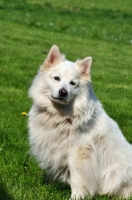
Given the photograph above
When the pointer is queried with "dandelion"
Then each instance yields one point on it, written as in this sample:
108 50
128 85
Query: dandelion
24 113
110 55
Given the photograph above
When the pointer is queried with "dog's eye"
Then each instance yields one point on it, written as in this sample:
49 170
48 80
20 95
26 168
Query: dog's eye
57 78
72 83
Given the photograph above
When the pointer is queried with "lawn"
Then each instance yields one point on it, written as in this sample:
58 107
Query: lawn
101 29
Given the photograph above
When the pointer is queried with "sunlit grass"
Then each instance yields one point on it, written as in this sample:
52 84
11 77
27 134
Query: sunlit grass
102 30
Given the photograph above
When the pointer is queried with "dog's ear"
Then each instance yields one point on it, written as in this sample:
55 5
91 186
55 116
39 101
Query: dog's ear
54 54
85 65
54 57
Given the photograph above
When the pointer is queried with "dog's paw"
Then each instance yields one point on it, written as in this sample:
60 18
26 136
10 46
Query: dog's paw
80 196
76 197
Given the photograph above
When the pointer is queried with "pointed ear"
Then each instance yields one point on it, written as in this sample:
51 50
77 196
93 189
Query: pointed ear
85 65
54 55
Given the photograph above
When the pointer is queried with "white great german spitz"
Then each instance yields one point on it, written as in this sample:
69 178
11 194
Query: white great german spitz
71 135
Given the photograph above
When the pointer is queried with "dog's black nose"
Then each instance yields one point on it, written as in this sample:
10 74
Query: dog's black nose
63 92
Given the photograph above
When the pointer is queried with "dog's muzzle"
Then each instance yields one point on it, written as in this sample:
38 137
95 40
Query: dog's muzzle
62 96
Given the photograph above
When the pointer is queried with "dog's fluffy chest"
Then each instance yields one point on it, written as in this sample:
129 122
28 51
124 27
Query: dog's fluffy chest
49 139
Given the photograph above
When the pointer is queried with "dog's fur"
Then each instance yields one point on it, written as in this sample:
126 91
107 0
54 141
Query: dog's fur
71 135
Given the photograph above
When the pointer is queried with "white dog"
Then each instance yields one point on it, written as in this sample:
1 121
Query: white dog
71 135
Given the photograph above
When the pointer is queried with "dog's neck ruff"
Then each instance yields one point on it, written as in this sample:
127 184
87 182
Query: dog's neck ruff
79 113
56 109
40 108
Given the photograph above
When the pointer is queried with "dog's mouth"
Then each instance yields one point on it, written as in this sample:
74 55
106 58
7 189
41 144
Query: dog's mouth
59 99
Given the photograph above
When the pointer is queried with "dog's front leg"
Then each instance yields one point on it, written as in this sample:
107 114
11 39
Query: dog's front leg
84 172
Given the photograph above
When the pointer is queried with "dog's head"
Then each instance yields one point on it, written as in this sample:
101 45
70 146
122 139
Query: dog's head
60 79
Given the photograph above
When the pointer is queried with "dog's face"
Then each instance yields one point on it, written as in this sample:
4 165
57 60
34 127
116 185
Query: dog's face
63 82
60 79
64 76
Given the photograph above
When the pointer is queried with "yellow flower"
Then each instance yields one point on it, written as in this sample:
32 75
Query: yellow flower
24 113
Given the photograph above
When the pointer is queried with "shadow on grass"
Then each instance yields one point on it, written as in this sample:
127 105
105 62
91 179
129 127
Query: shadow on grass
4 193
55 185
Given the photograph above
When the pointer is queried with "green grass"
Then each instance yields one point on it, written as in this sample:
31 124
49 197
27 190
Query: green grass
101 29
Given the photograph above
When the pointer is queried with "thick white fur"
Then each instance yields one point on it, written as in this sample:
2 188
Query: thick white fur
75 141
